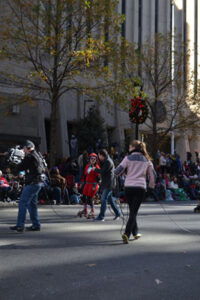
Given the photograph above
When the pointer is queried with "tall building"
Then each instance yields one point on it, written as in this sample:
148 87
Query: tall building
143 18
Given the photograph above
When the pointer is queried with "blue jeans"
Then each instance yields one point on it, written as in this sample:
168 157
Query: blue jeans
28 200
106 197
56 194
75 199
67 200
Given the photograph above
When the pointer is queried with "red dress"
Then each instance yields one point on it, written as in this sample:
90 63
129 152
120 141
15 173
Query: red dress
91 186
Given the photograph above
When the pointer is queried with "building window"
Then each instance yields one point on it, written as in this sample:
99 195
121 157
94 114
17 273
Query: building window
156 15
196 46
15 109
185 41
124 23
140 24
140 32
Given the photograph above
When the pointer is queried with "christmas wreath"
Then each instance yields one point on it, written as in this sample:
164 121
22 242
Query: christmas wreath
138 110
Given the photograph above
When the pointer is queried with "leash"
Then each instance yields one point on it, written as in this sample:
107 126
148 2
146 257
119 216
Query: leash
173 221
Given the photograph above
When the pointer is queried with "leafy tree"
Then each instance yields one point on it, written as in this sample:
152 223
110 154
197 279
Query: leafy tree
163 76
90 129
51 47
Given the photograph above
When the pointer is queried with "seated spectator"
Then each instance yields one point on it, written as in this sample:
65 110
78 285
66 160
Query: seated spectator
16 187
192 186
9 176
152 193
177 192
15 191
174 183
21 178
198 170
74 194
59 186
163 162
160 188
4 187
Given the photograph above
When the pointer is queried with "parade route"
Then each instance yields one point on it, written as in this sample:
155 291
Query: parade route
74 258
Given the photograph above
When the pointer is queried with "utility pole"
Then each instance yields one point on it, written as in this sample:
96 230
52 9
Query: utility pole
172 76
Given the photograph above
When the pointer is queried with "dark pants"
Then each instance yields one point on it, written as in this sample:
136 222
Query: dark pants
4 192
134 197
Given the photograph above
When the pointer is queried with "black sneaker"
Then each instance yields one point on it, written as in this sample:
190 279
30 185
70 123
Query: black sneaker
16 228
32 228
116 218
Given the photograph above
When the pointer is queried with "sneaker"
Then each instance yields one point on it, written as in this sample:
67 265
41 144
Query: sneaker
125 238
99 219
91 215
32 228
116 218
82 213
137 236
16 228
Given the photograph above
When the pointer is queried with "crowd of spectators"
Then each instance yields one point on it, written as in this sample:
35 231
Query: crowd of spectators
177 180
63 184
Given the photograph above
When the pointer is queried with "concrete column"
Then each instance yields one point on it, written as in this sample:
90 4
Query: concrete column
118 135
63 139
135 21
164 16
190 19
198 42
194 145
79 98
41 126
182 146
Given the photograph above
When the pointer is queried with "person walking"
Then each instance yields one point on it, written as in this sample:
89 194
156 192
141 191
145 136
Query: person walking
138 166
107 184
33 166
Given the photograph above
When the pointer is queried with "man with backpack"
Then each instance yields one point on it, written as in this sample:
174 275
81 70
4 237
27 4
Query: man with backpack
33 166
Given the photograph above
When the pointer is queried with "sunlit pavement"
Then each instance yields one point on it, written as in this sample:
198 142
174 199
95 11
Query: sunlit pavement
74 258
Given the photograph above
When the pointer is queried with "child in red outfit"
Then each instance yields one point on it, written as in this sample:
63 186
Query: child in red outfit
91 186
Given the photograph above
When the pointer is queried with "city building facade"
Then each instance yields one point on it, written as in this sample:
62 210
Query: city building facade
143 18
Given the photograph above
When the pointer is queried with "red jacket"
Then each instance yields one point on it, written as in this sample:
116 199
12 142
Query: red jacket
3 182
91 178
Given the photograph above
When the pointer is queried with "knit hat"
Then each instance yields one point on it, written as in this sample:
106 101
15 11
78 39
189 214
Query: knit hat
28 144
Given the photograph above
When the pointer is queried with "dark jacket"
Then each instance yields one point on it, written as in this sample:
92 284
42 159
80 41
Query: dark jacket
32 164
107 173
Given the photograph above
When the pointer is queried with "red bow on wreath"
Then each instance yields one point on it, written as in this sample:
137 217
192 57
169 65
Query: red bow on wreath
138 111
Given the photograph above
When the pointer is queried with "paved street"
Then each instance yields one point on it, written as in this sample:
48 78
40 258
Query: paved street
73 258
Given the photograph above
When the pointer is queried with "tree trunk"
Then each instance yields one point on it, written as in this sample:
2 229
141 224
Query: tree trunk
154 140
53 132
154 148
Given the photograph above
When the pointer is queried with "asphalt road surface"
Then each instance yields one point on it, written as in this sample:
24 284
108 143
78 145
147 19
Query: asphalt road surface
74 258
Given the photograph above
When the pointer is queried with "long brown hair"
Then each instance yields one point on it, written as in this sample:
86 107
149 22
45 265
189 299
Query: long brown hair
140 147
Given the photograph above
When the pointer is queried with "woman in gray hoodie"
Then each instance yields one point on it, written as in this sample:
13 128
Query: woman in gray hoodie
139 168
